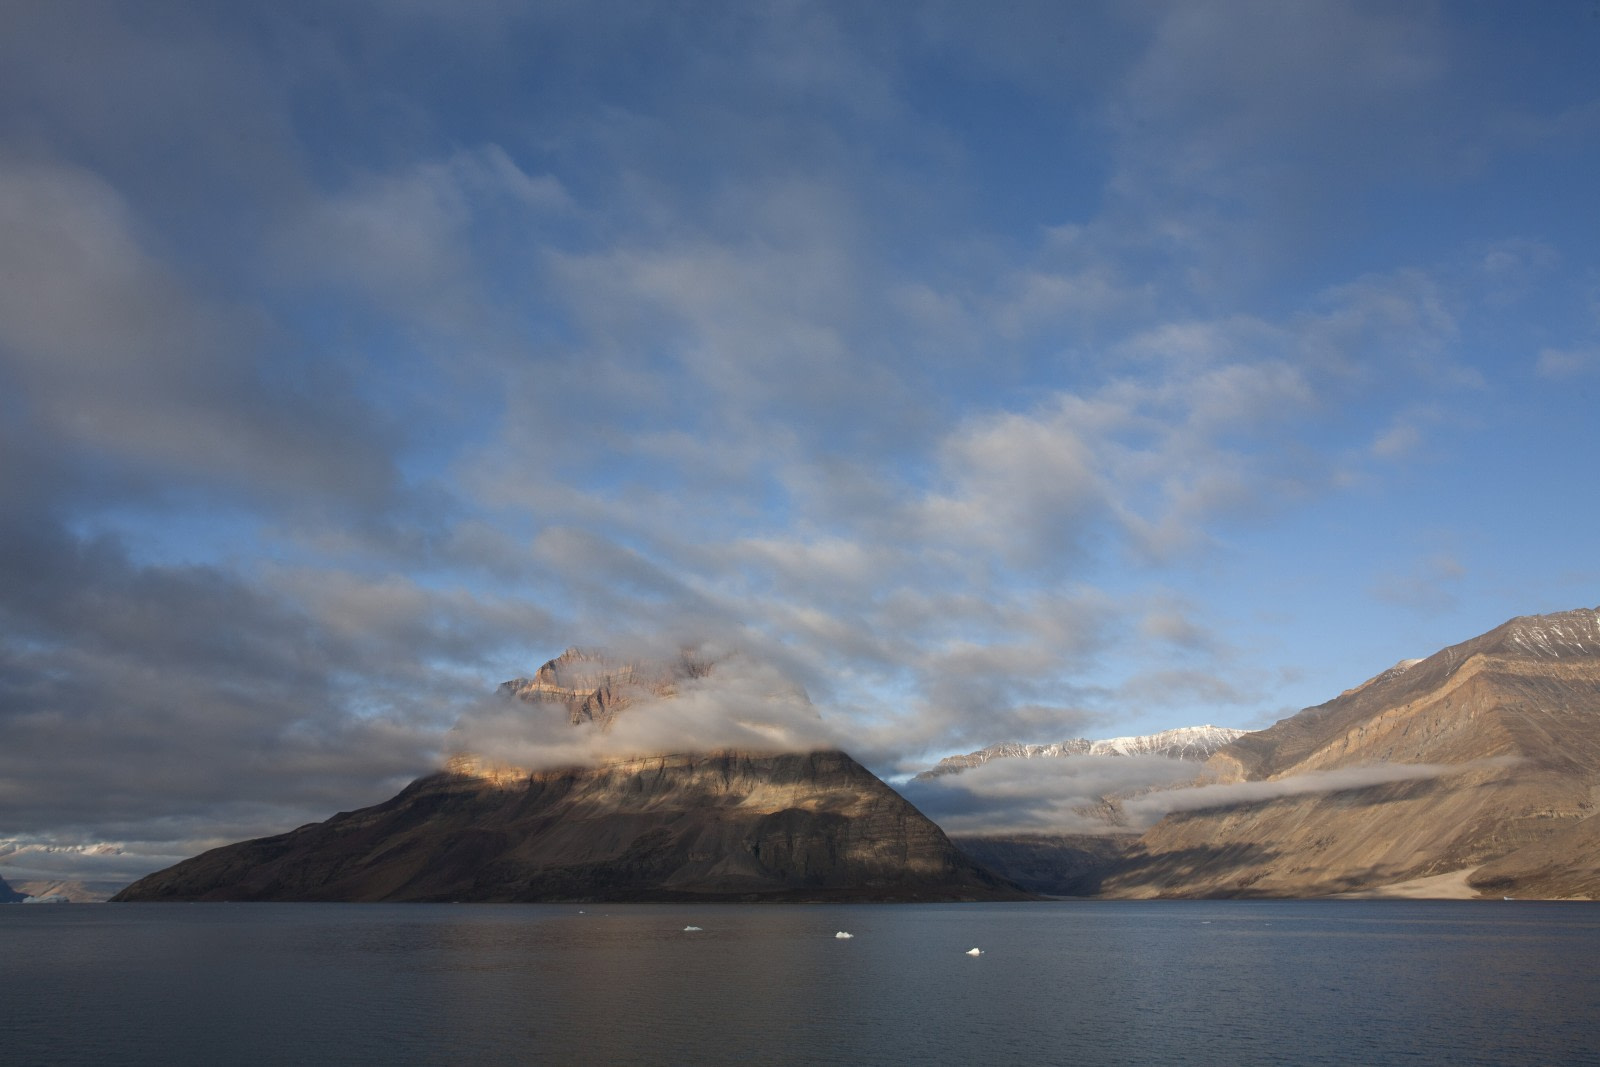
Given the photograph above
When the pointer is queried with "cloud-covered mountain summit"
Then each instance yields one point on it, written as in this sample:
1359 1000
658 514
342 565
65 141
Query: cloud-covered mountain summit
693 822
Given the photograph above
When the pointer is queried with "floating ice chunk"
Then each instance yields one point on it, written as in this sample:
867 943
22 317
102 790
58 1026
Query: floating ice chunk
843 934
686 929
974 951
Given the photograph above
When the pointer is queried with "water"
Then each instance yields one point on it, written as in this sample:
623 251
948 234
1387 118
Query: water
1234 983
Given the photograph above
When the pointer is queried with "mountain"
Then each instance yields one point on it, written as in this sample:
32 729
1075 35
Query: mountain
9 895
74 892
1482 760
1065 865
720 825
1073 864
1186 742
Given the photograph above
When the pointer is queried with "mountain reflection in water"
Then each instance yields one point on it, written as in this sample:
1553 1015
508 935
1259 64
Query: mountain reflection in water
1234 982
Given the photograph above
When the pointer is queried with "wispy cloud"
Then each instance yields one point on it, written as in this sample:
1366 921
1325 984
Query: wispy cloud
1429 588
1147 809
1047 795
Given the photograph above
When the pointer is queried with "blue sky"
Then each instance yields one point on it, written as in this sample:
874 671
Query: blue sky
996 372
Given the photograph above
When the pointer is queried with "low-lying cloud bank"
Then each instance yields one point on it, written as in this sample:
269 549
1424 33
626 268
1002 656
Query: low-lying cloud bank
743 704
1044 795
1121 794
1148 810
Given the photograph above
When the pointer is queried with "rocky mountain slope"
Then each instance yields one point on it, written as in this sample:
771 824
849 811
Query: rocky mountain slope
9 895
1186 742
692 826
1484 757
1063 865
723 826
593 687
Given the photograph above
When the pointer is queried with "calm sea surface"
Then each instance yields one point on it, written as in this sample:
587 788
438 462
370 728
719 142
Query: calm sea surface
1281 982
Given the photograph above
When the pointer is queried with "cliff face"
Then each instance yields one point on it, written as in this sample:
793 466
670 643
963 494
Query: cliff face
593 687
721 826
1497 744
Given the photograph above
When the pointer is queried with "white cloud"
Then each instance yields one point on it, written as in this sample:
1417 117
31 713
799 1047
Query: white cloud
742 704
1431 588
1146 810
1044 795
1565 364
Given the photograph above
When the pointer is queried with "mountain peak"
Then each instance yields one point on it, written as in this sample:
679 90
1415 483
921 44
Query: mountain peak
595 686
1561 635
1484 753
674 816
1185 743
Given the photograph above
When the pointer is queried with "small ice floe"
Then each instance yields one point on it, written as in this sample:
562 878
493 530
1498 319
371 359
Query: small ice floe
688 929
843 935
974 951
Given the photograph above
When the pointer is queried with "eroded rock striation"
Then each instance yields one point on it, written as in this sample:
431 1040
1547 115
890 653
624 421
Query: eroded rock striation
1484 757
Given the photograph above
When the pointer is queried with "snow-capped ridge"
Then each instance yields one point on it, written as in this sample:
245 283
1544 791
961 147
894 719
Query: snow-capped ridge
1563 634
1196 743
1184 742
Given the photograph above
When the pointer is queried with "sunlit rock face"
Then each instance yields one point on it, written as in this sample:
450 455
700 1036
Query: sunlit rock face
594 687
1503 732
714 825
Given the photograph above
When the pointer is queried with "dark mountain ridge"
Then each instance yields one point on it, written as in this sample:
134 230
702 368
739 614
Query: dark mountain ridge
719 826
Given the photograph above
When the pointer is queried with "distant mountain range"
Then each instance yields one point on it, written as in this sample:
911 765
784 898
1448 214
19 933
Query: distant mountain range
726 825
1196 743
